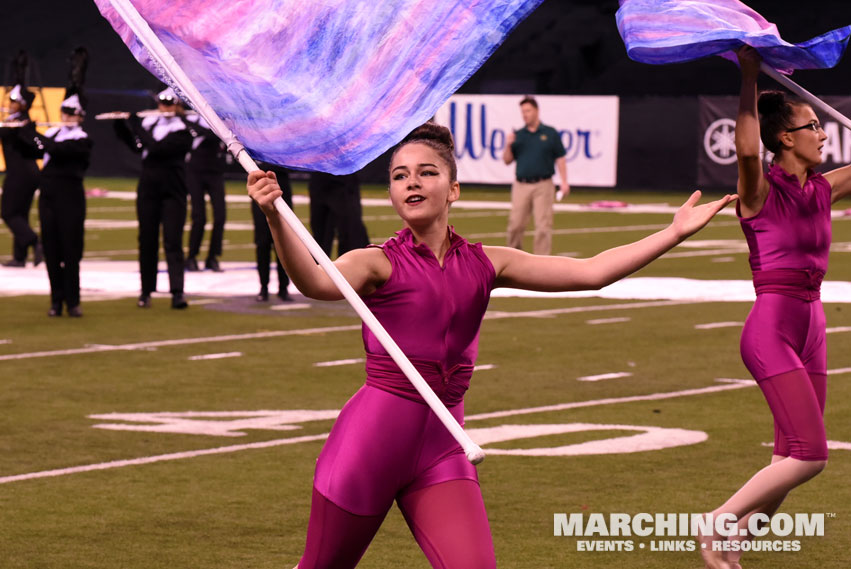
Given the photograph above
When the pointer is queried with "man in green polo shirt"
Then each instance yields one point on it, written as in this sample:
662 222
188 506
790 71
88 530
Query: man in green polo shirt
538 150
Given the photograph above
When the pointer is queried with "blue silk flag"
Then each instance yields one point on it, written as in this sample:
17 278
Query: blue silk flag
674 31
324 84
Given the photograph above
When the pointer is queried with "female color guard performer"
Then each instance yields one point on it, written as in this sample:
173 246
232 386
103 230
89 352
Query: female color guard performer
62 203
785 216
430 288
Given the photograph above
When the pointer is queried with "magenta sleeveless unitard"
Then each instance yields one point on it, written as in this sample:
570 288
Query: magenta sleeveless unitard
789 242
387 441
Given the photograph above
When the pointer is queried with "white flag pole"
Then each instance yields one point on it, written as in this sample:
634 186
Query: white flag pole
161 56
804 94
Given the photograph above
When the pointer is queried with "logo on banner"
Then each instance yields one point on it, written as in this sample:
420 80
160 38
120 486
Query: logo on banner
719 141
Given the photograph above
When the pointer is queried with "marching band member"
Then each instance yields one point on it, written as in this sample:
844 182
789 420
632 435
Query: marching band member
62 204
205 174
22 177
163 140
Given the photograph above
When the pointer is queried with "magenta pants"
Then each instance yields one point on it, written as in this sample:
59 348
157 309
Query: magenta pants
783 346
384 446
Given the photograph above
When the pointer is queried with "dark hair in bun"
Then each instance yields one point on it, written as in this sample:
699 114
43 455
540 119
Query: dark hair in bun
775 116
437 137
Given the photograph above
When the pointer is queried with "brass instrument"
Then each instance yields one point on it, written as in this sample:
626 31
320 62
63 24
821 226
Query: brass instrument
18 124
116 115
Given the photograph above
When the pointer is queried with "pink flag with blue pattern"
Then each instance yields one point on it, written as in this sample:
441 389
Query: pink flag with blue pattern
673 31
324 84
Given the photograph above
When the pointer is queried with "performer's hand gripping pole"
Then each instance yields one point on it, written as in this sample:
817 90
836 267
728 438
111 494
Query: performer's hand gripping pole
187 89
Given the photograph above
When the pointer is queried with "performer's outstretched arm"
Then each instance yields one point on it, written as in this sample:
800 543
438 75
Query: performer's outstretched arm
517 269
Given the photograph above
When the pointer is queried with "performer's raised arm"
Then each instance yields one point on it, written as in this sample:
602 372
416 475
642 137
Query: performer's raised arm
752 186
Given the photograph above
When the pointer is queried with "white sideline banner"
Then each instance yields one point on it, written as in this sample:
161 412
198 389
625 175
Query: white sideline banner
588 126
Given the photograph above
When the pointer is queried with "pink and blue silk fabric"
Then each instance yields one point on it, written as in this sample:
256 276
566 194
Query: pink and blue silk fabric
674 31
324 84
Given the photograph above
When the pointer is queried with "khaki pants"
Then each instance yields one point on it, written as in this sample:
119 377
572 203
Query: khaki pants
526 199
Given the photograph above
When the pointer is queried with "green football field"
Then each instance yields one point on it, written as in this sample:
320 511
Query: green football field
185 439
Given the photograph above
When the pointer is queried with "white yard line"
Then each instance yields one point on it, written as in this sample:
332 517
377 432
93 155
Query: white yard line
598 321
549 313
603 376
334 363
179 342
290 306
738 384
160 458
220 356
304 331
734 384
713 325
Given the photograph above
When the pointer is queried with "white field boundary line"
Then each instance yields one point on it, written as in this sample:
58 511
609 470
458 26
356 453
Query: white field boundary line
493 205
549 313
308 331
598 321
160 458
730 384
180 342
220 356
603 376
735 384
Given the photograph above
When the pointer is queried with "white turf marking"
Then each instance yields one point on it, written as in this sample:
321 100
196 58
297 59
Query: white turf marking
216 356
650 438
307 331
607 320
5 341
160 458
603 376
838 329
180 342
351 361
713 325
735 384
333 363
212 423
203 301
839 371
704 253
496 314
290 306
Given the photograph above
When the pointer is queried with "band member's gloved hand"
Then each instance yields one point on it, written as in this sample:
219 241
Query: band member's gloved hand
134 123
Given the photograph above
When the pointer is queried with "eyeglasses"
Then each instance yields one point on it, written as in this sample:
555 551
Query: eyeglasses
815 126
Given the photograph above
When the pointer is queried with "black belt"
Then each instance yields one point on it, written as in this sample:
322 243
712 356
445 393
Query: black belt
531 180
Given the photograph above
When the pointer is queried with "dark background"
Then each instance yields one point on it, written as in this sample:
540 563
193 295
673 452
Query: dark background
563 47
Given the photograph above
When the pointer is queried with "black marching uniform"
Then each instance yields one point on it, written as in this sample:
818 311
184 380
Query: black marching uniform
161 197
335 208
62 212
206 175
22 179
263 242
